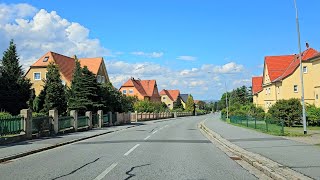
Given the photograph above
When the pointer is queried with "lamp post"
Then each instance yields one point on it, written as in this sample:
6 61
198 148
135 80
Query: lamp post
301 73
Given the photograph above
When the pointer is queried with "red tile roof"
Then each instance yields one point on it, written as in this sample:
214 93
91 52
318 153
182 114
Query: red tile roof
172 94
280 67
257 84
66 64
144 87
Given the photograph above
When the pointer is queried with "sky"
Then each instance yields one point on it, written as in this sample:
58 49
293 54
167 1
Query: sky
199 47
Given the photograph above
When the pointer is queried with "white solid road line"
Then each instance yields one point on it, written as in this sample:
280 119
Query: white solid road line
155 132
146 138
105 172
134 147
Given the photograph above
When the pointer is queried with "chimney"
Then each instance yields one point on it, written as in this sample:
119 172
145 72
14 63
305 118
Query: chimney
307 45
74 57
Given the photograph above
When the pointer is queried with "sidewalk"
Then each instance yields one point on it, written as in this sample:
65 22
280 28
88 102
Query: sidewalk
304 158
14 149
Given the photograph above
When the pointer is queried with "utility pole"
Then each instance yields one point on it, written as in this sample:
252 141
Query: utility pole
227 108
301 73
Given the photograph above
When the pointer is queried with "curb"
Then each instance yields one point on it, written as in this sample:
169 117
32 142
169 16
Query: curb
23 154
270 168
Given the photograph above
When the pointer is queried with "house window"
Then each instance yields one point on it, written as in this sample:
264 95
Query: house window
295 88
130 91
124 91
45 59
99 79
317 96
63 82
269 91
169 105
36 76
103 79
163 97
305 69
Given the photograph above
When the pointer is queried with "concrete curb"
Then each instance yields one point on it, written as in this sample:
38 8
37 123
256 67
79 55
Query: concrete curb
272 169
23 154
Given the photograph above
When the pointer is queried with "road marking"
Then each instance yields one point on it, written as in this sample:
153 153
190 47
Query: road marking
134 147
154 132
105 172
146 138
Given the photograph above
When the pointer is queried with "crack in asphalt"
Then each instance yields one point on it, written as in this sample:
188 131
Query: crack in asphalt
76 169
132 175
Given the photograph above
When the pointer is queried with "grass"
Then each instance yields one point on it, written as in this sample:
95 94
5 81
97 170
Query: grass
275 129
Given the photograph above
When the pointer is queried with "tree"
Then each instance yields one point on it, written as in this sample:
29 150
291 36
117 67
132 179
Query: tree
177 105
55 97
149 106
190 104
38 104
15 90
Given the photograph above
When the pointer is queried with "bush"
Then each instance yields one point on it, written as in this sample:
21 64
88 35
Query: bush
313 115
5 114
288 110
35 114
149 106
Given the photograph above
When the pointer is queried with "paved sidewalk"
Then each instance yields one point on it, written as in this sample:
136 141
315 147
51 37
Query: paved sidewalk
34 144
304 158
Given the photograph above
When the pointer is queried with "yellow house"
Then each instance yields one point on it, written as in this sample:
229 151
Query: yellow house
169 97
37 71
184 98
281 79
316 77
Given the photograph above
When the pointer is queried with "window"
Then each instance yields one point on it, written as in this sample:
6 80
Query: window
317 96
99 79
130 91
124 91
295 88
305 69
169 105
103 79
36 76
63 82
163 97
45 59
269 91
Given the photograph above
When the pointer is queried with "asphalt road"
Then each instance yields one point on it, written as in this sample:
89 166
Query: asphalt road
167 149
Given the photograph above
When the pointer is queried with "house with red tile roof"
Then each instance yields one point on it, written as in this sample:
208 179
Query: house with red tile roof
281 79
37 71
169 97
142 89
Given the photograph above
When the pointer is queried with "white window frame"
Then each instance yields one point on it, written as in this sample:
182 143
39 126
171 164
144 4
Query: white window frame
130 91
305 69
103 79
295 90
124 91
98 78
39 76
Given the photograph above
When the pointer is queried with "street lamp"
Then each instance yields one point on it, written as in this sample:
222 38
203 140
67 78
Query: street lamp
301 73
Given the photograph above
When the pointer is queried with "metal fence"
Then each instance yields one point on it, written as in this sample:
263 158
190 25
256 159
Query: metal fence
265 124
65 122
11 125
106 119
82 121
41 124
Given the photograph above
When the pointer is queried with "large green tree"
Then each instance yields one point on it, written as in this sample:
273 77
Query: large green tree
190 104
15 89
177 105
55 96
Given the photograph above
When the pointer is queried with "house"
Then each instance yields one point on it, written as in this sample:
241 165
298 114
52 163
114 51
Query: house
281 79
37 71
184 98
142 89
169 97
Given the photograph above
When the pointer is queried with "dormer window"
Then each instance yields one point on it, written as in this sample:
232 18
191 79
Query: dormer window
45 59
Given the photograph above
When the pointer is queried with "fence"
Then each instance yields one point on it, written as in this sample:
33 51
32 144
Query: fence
83 121
106 120
41 124
95 120
268 124
143 116
183 114
65 123
11 125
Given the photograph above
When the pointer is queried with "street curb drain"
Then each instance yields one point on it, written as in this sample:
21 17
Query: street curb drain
270 168
23 154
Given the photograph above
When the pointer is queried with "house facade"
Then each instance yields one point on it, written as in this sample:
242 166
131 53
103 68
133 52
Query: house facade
184 98
38 70
142 89
281 79
169 97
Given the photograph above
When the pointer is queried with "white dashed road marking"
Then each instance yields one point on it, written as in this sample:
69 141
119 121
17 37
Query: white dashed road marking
132 149
105 172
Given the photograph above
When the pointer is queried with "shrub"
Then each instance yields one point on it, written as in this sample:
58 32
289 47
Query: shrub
5 114
288 110
313 115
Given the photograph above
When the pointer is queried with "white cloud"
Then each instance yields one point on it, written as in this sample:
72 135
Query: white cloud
187 58
150 55
240 82
37 31
229 68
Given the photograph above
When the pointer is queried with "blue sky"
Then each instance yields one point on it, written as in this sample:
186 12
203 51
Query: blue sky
181 39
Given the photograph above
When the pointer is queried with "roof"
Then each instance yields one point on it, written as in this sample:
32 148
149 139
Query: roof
66 64
257 84
144 87
196 101
280 67
172 94
184 97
